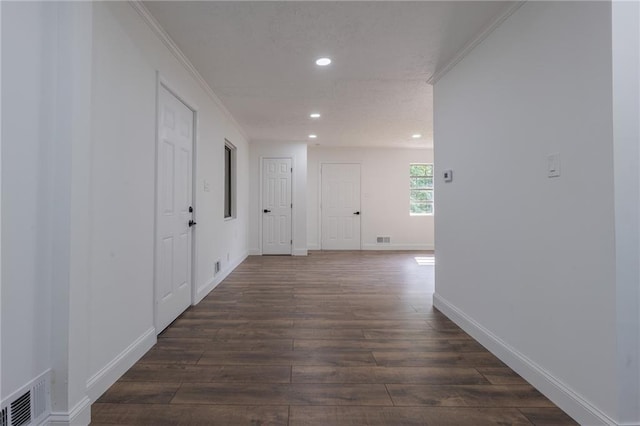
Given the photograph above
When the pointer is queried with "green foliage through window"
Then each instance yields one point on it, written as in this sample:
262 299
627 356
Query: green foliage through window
421 189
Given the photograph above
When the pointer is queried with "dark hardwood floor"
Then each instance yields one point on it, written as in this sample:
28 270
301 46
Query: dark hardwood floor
335 338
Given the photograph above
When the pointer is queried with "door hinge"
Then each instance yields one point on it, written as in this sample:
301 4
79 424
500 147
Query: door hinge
291 242
291 205
292 170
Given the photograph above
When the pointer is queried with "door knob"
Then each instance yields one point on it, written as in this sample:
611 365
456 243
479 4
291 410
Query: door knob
191 223
358 213
266 211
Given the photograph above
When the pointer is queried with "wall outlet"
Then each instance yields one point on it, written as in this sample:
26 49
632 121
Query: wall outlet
448 175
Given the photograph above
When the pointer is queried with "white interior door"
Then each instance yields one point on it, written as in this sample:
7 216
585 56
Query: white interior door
276 206
340 207
174 209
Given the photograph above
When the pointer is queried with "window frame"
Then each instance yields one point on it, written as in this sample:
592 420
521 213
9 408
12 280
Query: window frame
422 188
229 192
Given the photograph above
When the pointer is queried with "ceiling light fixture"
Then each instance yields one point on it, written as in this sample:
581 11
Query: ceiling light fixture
314 115
416 136
313 136
323 62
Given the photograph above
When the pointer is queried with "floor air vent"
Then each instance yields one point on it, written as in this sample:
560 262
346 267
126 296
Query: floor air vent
383 240
29 405
21 410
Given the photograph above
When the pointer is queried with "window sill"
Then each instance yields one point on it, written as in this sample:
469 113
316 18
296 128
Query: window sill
420 214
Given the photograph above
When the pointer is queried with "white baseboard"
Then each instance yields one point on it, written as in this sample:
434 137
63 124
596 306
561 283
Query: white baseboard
562 395
397 247
213 283
80 415
110 373
299 252
255 252
313 247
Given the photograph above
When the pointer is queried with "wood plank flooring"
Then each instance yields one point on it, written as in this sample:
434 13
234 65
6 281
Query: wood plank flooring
335 338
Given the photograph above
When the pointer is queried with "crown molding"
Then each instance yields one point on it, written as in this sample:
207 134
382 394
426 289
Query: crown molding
155 26
475 42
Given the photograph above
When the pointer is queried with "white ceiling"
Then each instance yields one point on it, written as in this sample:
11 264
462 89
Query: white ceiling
259 58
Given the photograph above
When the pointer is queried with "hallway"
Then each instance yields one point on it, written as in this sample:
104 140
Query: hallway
335 338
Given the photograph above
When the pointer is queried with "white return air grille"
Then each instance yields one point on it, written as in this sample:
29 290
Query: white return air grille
383 240
21 410
28 406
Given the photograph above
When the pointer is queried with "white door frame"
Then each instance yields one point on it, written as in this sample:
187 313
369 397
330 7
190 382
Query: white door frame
293 201
320 200
161 82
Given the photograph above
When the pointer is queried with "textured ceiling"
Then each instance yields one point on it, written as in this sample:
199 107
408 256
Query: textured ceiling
259 58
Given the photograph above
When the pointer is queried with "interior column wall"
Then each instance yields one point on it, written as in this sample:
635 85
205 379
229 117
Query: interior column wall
28 42
526 263
626 143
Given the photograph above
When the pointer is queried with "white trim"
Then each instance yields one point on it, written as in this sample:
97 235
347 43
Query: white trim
255 251
162 35
233 177
553 388
313 247
376 246
80 414
204 290
110 373
299 252
460 55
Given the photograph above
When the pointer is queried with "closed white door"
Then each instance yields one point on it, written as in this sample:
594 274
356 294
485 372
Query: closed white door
276 206
340 207
174 209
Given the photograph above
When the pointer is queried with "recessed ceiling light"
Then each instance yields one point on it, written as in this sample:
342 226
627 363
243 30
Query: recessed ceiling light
416 136
314 115
323 62
313 136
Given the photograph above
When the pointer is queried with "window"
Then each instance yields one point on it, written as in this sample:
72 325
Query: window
229 179
421 189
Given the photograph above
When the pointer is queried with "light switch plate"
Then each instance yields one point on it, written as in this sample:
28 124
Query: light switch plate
553 165
448 175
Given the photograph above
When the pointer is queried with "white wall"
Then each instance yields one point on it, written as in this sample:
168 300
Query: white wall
126 56
384 196
27 39
527 263
78 152
298 153
626 145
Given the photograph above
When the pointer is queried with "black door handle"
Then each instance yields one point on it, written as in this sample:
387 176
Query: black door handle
266 211
358 213
191 223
